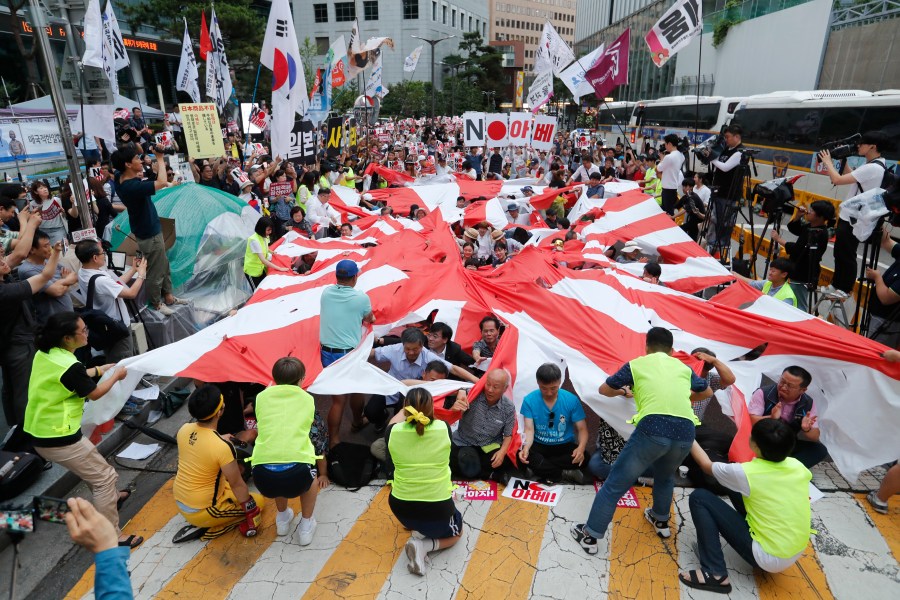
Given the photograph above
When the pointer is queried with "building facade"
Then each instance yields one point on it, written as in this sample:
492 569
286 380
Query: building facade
523 20
324 21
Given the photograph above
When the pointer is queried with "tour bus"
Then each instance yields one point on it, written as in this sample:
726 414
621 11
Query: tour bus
789 128
613 119
685 116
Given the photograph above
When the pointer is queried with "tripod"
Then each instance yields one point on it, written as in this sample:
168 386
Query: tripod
15 537
871 250
727 211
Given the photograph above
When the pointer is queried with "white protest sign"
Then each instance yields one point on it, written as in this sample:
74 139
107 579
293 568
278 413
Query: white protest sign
473 128
542 134
532 491
497 130
519 128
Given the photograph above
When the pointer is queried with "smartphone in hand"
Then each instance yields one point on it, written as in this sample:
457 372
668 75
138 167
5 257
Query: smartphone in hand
50 509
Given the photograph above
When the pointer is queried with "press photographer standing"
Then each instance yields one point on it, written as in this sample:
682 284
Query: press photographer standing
812 240
863 179
726 181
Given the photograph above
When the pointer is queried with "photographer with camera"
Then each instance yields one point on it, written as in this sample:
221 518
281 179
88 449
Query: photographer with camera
863 179
726 181
812 240
884 310
670 167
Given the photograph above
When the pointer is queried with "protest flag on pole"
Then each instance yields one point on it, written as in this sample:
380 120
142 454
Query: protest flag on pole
187 68
674 30
611 69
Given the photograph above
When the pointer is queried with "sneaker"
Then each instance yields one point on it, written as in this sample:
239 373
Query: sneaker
164 310
305 530
180 300
662 527
587 542
575 476
415 552
876 503
283 523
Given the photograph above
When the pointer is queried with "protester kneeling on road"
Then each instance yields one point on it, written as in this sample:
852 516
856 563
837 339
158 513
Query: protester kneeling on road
284 458
421 490
208 469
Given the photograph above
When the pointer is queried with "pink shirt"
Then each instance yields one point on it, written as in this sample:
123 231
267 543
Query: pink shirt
758 406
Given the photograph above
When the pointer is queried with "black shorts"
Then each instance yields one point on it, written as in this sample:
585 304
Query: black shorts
440 525
288 483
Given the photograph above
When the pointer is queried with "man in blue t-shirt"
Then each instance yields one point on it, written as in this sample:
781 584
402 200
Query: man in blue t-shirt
556 434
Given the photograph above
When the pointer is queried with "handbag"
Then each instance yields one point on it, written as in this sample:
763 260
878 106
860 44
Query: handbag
21 469
103 330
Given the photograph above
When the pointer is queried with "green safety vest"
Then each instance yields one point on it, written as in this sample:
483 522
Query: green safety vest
662 386
654 189
350 173
421 462
52 411
778 505
785 292
324 183
284 416
252 265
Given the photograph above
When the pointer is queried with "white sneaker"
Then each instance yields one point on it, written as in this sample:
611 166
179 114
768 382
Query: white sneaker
283 523
164 310
305 530
415 552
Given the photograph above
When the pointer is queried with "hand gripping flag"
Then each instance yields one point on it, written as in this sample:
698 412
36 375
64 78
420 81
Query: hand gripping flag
187 68
281 54
674 30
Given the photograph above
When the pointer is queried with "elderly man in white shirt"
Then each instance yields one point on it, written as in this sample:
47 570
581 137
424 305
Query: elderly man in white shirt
583 173
320 213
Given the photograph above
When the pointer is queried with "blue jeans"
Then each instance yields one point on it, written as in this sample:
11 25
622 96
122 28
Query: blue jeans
712 516
641 451
330 357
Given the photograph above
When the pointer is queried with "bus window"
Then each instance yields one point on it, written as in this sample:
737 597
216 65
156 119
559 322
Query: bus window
838 123
795 128
886 119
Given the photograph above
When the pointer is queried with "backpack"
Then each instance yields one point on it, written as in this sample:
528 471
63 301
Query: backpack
890 178
103 330
351 465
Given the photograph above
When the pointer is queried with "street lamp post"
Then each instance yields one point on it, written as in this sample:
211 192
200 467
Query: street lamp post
432 43
455 67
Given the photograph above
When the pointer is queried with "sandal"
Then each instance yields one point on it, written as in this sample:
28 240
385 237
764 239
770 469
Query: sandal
132 541
709 583
189 533
122 499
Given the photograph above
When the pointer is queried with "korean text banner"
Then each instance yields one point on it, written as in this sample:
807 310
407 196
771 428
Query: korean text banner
674 30
31 137
202 131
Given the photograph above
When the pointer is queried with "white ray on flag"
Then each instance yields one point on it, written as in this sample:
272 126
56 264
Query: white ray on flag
187 68
281 54
573 76
218 77
97 52
409 64
674 30
114 37
553 53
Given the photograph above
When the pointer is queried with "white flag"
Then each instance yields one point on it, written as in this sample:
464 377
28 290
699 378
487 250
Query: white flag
674 30
552 54
114 37
409 65
541 91
574 78
97 52
218 77
339 51
187 69
281 54
355 45
373 84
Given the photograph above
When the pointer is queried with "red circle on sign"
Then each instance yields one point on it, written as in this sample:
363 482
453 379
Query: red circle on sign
497 130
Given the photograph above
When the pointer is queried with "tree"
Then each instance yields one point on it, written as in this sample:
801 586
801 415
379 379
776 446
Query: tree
344 97
408 99
243 27
308 52
482 66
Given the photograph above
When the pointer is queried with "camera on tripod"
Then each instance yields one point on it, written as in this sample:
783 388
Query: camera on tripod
775 195
843 148
710 149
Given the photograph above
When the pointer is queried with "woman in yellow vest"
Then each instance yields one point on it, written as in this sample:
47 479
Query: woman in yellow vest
257 255
652 183
769 526
419 447
283 456
57 390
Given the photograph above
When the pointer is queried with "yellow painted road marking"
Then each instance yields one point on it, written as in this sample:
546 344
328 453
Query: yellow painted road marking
505 557
153 516
363 561
803 581
222 562
641 565
888 525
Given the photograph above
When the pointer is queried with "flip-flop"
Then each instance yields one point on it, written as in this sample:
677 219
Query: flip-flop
710 583
132 541
188 533
122 499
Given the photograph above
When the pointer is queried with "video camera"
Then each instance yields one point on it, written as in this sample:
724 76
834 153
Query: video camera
710 149
843 148
776 195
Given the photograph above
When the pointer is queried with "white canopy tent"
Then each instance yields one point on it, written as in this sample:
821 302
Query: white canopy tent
44 103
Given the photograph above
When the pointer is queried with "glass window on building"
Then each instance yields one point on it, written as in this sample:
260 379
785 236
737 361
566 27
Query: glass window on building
322 46
344 11
453 18
370 10
320 13
443 14
411 9
433 10
470 23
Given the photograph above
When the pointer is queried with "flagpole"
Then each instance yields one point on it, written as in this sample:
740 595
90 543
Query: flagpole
697 109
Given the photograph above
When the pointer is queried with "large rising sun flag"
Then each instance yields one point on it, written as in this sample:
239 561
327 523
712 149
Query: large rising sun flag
589 321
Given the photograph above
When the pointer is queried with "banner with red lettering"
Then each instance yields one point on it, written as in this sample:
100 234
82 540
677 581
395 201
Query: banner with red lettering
519 128
532 491
543 132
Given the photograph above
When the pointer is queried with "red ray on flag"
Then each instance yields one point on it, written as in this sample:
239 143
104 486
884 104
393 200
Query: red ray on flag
205 42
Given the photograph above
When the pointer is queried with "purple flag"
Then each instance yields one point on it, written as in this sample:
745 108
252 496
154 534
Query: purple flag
611 69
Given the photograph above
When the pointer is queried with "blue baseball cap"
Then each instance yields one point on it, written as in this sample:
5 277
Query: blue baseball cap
346 269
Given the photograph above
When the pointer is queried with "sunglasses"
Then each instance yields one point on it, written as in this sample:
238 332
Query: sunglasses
551 420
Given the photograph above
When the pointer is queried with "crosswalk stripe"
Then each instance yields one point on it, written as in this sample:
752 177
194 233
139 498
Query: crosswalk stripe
361 563
888 525
222 562
641 565
804 580
502 564
153 516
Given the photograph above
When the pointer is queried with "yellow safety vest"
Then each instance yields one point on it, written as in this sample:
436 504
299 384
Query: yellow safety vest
52 411
785 292
421 462
252 265
778 505
654 187
662 386
349 184
284 416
